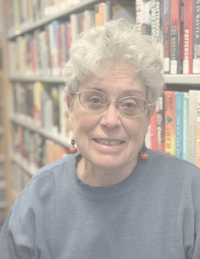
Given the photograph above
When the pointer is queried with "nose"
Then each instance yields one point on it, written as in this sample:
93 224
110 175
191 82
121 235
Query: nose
110 117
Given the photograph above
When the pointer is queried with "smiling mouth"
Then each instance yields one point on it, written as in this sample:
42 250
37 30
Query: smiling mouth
109 142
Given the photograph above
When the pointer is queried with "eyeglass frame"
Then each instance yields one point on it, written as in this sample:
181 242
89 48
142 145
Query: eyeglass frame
148 105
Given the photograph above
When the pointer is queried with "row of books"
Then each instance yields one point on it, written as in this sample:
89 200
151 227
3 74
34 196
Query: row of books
42 105
174 26
34 150
45 51
23 12
175 125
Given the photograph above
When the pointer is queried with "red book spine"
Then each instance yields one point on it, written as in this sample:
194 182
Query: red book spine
187 36
154 130
175 55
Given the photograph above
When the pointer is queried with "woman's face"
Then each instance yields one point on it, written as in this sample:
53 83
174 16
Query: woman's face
92 131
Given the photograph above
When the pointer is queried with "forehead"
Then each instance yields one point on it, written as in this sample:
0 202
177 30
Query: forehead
116 79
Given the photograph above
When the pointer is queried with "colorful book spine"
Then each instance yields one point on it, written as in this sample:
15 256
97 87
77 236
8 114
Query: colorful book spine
167 36
179 123
187 36
192 125
154 130
169 122
198 131
196 37
185 146
175 51
160 123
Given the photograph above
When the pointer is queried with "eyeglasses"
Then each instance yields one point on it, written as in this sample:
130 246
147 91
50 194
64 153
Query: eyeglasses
96 101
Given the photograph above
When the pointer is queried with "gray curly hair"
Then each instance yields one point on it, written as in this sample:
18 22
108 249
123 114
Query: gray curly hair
116 41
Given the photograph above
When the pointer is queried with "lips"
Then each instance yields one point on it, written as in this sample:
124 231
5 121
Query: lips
109 142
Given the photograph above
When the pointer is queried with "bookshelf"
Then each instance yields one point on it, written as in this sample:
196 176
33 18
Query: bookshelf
169 79
79 7
179 81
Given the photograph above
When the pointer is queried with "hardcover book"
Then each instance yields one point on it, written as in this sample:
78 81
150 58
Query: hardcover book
169 122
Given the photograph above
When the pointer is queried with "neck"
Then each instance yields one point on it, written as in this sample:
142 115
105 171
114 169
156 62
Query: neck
100 177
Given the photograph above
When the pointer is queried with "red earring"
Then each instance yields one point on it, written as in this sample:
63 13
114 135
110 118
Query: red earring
143 154
73 149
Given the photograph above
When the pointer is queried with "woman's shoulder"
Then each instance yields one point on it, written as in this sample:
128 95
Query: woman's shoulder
47 181
173 164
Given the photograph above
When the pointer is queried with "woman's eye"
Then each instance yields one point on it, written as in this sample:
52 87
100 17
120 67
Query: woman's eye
94 100
129 105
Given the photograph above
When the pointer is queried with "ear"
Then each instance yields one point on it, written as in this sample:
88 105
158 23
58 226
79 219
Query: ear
68 99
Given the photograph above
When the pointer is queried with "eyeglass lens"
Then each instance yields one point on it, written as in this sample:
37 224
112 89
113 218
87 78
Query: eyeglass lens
97 101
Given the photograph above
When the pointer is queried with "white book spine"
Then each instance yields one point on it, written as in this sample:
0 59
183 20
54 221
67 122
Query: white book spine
192 125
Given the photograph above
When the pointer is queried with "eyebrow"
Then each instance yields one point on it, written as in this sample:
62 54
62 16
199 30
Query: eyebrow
131 92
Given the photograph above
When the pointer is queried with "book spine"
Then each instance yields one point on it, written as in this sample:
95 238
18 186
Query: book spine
196 37
192 125
160 123
169 122
185 146
198 131
146 17
154 130
59 55
138 15
179 123
175 58
187 37
167 33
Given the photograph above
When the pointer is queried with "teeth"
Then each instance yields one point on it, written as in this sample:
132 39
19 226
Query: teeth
108 142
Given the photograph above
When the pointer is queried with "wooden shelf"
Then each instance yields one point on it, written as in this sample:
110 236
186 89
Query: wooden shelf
17 78
49 135
72 9
182 79
169 79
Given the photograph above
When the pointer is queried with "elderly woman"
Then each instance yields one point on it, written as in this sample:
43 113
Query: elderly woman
113 198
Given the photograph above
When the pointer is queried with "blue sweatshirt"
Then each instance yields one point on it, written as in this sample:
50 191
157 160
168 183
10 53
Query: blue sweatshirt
153 214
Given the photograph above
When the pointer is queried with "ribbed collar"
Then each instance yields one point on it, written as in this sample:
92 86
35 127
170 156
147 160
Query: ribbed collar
121 188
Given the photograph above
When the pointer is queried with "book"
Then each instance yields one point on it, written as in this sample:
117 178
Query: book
198 131
196 37
138 7
187 36
179 123
192 125
50 151
74 26
167 35
56 109
175 43
146 17
185 145
153 127
46 104
64 113
123 9
169 122
37 89
160 123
